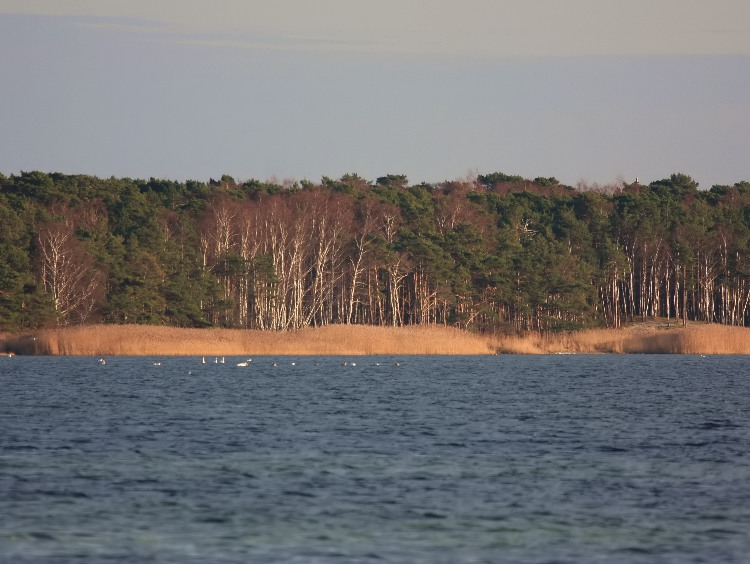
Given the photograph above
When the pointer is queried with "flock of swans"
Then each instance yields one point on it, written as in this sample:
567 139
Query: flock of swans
247 362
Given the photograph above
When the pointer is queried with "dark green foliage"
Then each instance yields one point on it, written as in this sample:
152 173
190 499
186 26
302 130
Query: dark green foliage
551 181
490 180
23 304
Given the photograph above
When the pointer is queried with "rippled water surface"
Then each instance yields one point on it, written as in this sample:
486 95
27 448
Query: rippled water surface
394 459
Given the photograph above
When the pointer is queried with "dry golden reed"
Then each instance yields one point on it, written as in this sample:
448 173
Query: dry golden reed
715 339
636 339
144 340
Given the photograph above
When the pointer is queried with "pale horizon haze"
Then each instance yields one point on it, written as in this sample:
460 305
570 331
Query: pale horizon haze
582 90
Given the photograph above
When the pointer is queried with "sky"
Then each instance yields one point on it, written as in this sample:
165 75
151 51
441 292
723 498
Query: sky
593 91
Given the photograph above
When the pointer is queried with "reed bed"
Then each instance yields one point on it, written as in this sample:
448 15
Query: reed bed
715 339
637 339
143 340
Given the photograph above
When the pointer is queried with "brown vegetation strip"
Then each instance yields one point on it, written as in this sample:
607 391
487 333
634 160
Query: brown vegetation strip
143 340
637 339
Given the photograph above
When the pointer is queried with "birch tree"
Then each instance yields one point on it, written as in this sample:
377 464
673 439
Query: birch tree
67 272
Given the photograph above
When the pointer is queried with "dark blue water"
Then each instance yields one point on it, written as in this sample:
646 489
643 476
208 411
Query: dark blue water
441 459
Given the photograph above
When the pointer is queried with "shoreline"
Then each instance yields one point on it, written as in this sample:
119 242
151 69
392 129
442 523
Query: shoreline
651 337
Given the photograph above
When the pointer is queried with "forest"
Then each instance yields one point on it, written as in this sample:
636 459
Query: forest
497 253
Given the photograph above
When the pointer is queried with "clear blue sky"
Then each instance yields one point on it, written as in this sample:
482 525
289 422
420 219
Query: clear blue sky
591 90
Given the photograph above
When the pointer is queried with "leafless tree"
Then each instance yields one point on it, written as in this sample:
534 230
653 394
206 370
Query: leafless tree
67 272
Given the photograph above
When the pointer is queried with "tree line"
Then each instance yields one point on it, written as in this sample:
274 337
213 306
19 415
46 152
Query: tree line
495 253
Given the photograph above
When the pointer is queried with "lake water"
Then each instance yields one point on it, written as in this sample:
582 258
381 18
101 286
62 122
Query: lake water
534 459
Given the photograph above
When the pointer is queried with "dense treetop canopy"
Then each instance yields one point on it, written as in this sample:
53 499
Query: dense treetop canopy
494 253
